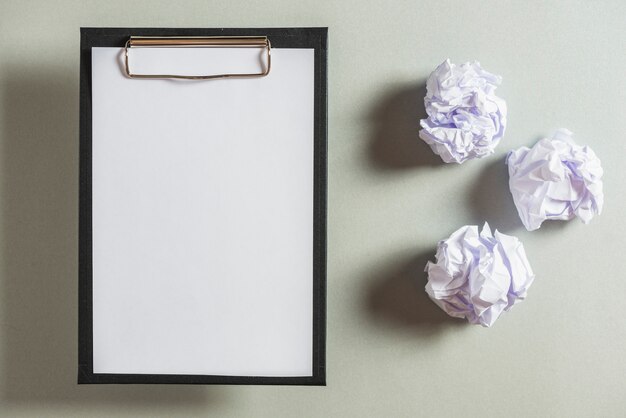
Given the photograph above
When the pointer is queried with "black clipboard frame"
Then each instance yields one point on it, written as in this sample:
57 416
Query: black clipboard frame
315 38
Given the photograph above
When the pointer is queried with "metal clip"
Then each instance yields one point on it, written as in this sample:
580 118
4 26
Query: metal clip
199 42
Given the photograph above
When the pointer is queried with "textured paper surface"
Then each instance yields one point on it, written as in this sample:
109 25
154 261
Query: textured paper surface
556 179
478 274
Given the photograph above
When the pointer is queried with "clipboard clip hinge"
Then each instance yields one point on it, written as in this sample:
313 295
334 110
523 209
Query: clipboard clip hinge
198 42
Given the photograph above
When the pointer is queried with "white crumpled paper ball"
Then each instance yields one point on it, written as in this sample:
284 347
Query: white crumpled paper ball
465 118
555 179
478 275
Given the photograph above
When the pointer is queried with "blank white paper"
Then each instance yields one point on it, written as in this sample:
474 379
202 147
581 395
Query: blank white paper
203 215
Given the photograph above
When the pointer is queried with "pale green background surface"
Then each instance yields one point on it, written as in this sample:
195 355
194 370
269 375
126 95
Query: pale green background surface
391 352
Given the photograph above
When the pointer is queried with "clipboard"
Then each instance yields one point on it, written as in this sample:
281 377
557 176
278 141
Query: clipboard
202 213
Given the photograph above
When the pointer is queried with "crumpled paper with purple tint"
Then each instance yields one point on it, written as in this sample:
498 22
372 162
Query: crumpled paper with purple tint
465 118
555 179
478 275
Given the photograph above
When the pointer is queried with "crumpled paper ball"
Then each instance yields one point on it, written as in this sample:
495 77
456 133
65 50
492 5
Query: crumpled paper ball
465 118
555 179
478 276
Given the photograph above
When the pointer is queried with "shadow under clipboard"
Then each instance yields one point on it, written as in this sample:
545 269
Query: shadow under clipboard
39 230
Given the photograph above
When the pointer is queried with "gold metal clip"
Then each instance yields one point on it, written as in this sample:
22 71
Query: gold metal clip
202 42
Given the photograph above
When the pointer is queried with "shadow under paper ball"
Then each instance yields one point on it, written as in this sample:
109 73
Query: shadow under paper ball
397 299
490 199
395 143
555 226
